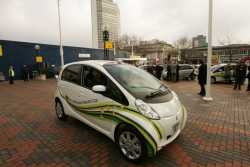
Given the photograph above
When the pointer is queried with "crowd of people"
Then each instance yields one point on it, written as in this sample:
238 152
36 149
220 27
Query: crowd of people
239 73
172 71
29 72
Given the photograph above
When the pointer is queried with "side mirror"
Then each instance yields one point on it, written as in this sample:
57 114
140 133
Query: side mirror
99 88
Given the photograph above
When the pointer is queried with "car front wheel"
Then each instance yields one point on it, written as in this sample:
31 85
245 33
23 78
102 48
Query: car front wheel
131 143
60 111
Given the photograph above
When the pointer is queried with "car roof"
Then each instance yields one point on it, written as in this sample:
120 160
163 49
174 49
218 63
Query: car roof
185 65
92 62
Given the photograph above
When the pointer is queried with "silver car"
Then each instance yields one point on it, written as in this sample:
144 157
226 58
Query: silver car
186 72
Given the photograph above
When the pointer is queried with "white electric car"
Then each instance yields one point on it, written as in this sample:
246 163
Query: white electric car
125 103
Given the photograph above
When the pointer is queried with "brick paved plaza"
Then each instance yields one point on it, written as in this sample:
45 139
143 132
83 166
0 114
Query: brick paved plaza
216 134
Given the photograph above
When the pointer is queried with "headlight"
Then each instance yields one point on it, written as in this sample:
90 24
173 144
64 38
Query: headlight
146 110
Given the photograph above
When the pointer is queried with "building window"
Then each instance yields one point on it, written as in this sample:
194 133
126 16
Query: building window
235 51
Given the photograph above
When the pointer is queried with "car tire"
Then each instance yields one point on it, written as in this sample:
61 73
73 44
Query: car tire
60 111
131 143
213 80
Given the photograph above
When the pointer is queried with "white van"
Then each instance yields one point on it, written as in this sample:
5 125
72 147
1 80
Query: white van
127 104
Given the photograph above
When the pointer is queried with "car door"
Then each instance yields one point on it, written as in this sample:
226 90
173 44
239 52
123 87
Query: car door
91 105
182 72
190 70
220 74
70 84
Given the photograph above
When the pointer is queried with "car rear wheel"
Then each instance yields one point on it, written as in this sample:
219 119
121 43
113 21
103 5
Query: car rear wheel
131 143
60 111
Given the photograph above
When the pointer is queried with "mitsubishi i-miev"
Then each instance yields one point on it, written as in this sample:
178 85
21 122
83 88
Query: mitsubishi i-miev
125 103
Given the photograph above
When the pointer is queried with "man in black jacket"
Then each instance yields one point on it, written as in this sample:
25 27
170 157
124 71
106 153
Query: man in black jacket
158 71
248 77
240 75
202 78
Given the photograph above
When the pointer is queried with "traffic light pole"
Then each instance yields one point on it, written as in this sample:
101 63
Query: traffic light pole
105 39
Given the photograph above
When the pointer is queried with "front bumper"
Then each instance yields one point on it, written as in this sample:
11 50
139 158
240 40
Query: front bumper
171 127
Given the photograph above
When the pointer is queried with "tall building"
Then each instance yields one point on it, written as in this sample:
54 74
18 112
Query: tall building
105 15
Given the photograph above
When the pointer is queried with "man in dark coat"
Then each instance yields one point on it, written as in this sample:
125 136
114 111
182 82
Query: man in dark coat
25 72
177 72
169 72
248 77
158 71
240 75
202 78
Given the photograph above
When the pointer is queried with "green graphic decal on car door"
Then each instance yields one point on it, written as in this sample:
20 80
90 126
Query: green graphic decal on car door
111 112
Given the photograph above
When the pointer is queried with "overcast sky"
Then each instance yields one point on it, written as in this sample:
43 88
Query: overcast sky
36 20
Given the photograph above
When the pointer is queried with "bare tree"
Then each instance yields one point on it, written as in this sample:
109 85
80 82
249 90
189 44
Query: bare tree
183 43
128 40
227 40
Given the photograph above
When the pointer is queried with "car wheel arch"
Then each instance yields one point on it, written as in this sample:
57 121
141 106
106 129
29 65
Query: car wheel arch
57 100
121 125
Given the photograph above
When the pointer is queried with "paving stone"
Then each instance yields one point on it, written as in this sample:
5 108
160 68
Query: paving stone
216 134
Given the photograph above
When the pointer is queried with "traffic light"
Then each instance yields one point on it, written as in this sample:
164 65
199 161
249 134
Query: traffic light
105 35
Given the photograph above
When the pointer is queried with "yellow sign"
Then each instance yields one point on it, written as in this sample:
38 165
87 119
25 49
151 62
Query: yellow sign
39 59
215 59
108 45
1 50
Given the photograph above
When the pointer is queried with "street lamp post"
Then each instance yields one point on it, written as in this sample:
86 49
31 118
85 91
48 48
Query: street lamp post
208 96
60 33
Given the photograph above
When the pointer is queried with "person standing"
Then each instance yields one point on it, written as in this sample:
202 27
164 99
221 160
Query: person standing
177 72
25 72
202 78
173 70
169 72
11 75
227 73
158 71
248 77
240 75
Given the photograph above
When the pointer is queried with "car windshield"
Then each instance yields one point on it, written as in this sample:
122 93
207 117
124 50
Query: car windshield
139 83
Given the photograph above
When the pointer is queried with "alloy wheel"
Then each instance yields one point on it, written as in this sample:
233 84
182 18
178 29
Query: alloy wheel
59 110
130 145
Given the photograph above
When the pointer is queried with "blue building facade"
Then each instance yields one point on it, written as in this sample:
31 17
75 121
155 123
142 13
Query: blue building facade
18 54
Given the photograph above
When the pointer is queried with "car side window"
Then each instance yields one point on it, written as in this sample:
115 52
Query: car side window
72 74
94 77
220 69
181 68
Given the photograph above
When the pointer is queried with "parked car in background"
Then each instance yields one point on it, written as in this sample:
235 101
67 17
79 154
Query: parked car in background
196 69
148 68
130 106
223 73
186 72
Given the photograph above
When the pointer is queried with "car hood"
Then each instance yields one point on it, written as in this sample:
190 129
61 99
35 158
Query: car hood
167 109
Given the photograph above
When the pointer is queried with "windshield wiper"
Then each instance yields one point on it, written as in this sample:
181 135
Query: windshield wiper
162 89
143 87
153 94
